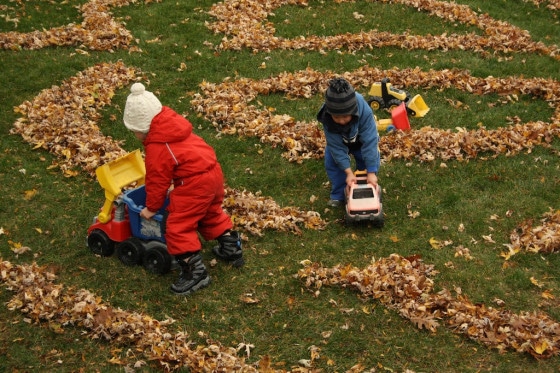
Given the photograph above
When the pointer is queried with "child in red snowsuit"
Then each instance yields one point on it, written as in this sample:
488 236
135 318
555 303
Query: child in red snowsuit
175 156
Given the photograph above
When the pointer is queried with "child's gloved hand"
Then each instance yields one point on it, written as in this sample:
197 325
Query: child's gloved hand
146 214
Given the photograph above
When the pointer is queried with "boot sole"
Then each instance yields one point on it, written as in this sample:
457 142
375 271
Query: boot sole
199 285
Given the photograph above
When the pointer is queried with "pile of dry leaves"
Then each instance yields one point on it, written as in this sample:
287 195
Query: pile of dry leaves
98 31
63 119
406 285
543 238
245 25
229 107
42 300
254 213
550 4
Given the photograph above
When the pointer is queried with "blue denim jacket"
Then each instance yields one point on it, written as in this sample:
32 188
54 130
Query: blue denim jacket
360 134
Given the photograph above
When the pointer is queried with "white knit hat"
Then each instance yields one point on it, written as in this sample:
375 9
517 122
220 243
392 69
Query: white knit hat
141 107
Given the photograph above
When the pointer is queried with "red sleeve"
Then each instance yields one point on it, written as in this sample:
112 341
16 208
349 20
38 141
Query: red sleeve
159 175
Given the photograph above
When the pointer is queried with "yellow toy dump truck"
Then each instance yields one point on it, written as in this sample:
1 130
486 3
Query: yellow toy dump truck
118 225
382 95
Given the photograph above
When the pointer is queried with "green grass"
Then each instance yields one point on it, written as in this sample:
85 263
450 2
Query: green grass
288 319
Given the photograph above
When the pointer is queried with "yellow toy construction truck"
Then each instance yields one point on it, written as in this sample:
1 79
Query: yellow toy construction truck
118 225
382 95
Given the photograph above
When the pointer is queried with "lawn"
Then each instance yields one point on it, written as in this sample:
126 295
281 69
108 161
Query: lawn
461 278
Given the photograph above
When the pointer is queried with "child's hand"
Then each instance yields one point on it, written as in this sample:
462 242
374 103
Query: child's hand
372 178
146 214
351 179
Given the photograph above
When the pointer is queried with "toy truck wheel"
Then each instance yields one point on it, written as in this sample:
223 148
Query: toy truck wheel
156 259
375 103
131 252
348 219
100 244
393 104
380 221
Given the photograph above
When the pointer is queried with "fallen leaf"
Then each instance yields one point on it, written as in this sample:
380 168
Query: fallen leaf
488 238
29 194
547 294
249 299
536 282
435 244
540 347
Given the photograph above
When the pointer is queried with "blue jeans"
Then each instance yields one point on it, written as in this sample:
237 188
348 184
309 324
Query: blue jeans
337 176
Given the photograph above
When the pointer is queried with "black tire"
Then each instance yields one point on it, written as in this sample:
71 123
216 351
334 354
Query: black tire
393 104
379 222
156 258
348 220
100 244
376 103
131 251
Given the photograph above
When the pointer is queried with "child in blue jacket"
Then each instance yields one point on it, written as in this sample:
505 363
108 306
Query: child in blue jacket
350 128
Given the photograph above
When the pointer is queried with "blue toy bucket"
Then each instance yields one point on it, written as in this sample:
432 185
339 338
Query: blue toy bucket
145 229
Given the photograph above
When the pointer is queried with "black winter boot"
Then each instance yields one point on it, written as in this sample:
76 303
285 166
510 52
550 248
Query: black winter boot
229 249
193 276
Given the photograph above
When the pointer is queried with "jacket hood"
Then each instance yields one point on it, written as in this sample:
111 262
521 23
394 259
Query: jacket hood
168 127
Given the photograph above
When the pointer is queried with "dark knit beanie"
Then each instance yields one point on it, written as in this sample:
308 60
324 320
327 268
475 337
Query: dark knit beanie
340 98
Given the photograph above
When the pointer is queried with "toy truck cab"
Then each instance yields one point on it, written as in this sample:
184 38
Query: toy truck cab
382 95
364 202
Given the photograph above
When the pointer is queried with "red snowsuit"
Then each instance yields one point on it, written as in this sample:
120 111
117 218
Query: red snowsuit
175 155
